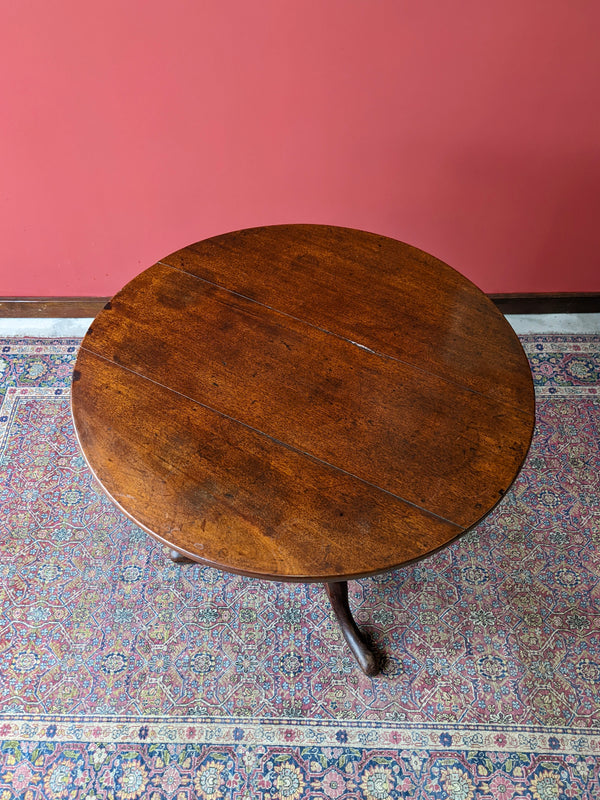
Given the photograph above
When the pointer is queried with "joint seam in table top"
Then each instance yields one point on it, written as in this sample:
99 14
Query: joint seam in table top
347 340
316 459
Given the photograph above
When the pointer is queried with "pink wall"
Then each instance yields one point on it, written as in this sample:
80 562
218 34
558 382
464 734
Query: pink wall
468 128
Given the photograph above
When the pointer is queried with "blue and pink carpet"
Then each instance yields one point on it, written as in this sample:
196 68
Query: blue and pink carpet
125 676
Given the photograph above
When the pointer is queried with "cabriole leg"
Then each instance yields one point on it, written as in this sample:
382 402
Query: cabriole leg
338 595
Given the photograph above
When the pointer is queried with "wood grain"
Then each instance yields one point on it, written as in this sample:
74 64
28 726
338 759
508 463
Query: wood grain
384 294
231 497
417 436
303 402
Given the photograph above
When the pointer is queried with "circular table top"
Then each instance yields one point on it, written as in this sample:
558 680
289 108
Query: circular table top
303 402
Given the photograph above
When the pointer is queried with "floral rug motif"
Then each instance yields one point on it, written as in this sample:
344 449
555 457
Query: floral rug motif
123 675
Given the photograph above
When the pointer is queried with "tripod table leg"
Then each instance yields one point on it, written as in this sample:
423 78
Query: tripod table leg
178 557
338 595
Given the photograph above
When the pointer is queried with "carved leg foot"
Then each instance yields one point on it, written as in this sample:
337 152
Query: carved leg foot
338 594
178 557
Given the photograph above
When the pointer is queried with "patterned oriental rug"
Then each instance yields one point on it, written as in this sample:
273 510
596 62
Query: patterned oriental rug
123 675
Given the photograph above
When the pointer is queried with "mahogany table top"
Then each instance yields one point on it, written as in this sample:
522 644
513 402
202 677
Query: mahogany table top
303 402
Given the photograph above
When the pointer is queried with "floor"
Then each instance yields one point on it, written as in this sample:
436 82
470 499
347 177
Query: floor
106 689
522 323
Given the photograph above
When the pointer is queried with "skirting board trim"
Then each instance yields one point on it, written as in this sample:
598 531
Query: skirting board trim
532 303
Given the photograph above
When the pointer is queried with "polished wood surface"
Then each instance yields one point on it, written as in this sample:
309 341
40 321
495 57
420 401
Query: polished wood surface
303 402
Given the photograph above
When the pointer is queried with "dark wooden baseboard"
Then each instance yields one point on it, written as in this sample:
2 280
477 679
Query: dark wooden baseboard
535 303
548 303
51 306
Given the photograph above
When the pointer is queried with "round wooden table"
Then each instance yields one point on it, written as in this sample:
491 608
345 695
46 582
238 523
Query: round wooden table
303 403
